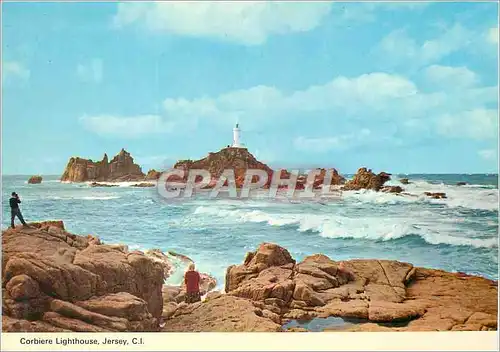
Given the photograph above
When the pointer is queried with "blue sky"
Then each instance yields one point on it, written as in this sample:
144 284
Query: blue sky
399 87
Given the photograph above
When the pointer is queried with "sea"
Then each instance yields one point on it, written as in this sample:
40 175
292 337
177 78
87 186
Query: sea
457 234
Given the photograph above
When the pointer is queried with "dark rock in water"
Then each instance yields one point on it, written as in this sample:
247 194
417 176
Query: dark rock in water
95 184
336 179
35 179
183 257
144 184
404 181
436 195
392 189
153 175
461 183
366 179
409 194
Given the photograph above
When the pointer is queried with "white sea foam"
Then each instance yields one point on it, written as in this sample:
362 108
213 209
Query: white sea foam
49 181
472 196
368 196
122 184
136 247
100 197
96 197
431 227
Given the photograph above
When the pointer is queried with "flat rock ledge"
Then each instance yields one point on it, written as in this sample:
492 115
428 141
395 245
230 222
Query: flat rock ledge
270 289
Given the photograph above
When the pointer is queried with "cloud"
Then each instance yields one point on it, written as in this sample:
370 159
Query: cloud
90 72
398 48
261 104
340 142
390 106
119 126
488 154
259 101
367 12
14 70
381 94
450 77
477 124
359 138
248 23
493 35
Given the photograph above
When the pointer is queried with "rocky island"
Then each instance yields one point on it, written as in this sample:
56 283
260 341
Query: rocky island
36 179
120 168
57 281
240 160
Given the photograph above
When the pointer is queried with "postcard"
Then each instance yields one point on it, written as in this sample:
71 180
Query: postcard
249 175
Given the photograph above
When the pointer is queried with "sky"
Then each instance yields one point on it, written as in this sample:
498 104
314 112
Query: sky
396 87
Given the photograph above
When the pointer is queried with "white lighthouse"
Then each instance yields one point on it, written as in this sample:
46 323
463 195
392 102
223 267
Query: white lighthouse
236 137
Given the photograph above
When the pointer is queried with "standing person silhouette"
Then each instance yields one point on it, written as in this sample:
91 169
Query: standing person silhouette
192 280
15 211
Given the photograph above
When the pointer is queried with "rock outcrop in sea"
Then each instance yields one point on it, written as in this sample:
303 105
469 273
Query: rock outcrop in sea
436 195
143 185
153 175
392 189
366 179
240 160
237 159
57 281
35 179
404 181
120 168
97 184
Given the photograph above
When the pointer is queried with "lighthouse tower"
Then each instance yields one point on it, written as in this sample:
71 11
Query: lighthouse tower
236 137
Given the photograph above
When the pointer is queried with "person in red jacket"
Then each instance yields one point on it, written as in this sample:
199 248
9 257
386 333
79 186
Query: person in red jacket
192 280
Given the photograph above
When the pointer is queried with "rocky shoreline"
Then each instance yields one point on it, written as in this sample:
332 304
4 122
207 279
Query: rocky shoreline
57 281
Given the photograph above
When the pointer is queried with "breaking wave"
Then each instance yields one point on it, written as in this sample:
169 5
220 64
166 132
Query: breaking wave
432 231
478 197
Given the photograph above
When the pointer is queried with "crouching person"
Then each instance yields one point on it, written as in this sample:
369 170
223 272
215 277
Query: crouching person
192 280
